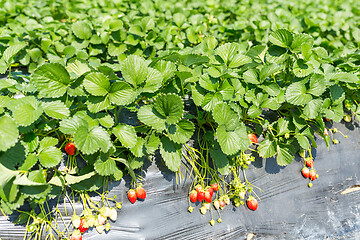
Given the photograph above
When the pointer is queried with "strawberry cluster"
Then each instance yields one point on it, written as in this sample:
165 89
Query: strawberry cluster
308 170
88 219
138 193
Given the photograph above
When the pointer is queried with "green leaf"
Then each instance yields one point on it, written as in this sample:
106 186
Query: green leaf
29 162
192 59
211 100
269 69
208 83
337 93
166 68
285 154
97 84
317 85
303 141
126 135
171 153
9 133
153 81
71 179
345 77
26 111
239 60
134 70
50 157
70 125
152 144
299 40
23 180
302 69
232 141
224 115
13 156
105 120
11 52
105 166
221 160
282 38
139 149
48 142
97 104
228 53
91 140
56 109
151 117
5 178
121 93
170 107
313 108
181 132
51 80
81 30
282 126
251 76
77 68
335 113
137 163
267 148
296 94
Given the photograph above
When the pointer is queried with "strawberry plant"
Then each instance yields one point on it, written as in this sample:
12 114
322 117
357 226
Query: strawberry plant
235 81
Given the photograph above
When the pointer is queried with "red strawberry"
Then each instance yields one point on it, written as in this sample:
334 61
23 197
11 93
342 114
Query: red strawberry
83 225
252 203
209 189
201 195
193 196
132 195
140 192
309 162
222 203
76 235
215 186
207 196
327 119
305 172
70 148
312 174
198 188
253 138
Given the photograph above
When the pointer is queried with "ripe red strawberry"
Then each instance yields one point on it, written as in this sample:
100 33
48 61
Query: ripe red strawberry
132 195
209 189
193 196
305 172
201 195
207 196
198 188
83 225
70 148
252 203
222 203
309 162
215 186
312 174
253 138
76 235
140 192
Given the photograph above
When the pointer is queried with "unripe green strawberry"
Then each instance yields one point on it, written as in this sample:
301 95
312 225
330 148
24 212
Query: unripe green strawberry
190 209
347 118
212 222
107 227
203 210
101 219
118 205
207 205
219 220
